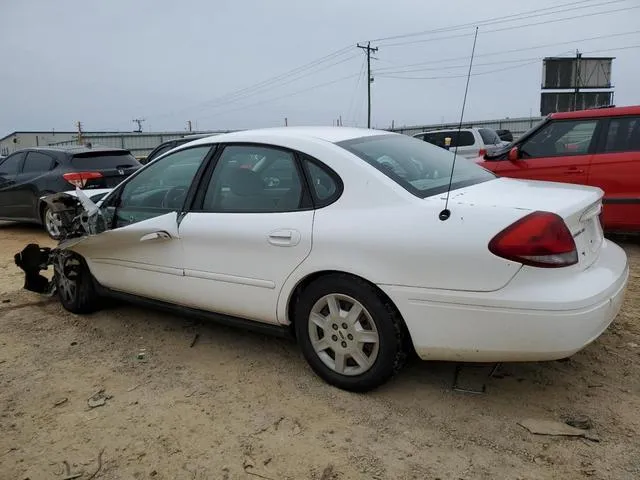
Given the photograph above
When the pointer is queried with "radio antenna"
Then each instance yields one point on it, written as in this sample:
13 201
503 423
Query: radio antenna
446 213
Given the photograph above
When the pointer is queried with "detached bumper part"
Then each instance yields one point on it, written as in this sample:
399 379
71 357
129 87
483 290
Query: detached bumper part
32 260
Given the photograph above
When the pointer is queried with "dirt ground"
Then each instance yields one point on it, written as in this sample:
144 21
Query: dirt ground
238 405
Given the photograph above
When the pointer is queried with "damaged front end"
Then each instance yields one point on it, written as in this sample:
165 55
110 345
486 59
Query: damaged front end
76 217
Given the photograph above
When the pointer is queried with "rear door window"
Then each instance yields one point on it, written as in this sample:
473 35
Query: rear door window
623 135
464 139
37 162
104 160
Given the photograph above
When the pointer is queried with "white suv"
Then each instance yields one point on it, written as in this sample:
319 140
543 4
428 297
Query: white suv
472 142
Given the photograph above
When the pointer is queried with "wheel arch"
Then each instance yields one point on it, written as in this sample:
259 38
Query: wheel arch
311 277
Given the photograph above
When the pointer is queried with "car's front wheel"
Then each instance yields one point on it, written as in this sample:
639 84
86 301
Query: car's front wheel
349 333
74 283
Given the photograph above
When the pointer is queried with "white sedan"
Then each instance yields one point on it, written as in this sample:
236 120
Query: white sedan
340 237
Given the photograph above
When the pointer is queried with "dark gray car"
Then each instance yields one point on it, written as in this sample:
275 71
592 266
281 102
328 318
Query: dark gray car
31 173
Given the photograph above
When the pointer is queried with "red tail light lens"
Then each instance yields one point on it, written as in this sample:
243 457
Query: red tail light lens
482 152
541 239
79 179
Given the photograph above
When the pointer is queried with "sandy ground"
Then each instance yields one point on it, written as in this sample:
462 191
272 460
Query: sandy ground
240 405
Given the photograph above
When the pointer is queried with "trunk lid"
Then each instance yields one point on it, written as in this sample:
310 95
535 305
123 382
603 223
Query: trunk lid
578 205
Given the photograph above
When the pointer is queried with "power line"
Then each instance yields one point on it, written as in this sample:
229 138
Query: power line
502 19
536 60
513 27
514 50
313 87
263 84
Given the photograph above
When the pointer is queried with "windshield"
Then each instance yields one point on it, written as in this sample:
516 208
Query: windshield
421 168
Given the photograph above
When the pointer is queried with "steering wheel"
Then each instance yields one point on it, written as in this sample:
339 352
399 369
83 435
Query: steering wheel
173 194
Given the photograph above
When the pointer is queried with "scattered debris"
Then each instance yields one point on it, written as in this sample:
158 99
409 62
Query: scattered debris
551 427
73 344
142 355
483 389
99 465
131 389
581 421
6 300
195 339
249 464
98 399
595 385
67 470
62 401
633 345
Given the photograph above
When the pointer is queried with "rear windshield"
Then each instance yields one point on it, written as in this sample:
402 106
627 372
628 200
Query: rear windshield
419 167
489 137
104 160
465 138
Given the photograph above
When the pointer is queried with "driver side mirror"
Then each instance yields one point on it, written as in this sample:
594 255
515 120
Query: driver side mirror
514 154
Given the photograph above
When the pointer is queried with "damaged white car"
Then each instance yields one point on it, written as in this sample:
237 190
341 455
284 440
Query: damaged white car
341 238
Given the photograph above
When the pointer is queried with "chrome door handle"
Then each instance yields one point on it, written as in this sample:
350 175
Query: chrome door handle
161 235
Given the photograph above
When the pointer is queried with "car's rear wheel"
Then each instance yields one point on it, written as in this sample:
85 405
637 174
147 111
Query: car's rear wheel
74 283
51 222
349 333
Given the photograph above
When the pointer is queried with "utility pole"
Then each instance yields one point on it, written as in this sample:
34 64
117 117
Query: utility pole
188 125
577 86
368 48
79 125
139 122
286 122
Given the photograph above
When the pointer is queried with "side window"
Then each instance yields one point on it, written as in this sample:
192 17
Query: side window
251 179
465 139
560 138
9 167
326 185
37 162
161 187
623 135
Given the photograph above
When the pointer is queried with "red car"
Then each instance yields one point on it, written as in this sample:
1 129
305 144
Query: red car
599 147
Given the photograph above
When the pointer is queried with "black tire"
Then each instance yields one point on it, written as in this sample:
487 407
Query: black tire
392 334
74 283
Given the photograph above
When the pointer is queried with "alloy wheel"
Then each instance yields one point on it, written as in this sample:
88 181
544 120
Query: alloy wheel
343 334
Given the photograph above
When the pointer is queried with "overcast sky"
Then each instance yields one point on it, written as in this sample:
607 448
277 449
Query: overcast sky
105 63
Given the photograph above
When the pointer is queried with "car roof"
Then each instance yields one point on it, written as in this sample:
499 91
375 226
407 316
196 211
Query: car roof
598 112
329 134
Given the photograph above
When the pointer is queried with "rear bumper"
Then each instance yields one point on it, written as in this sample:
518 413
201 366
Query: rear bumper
542 321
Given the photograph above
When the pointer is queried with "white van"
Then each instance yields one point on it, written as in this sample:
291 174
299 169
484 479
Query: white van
472 142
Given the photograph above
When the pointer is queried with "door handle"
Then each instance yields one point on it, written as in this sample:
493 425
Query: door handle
155 236
284 238
574 170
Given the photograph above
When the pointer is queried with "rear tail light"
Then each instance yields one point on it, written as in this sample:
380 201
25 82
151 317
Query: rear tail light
79 179
541 239
482 152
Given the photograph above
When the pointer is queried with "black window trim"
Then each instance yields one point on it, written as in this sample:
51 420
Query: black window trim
595 138
52 161
114 197
304 158
306 201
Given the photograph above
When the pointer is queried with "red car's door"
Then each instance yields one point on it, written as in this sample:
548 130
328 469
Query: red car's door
561 151
615 168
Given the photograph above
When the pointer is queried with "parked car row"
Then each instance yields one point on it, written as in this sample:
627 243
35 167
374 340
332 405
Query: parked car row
467 142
